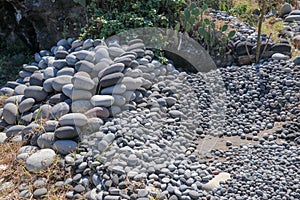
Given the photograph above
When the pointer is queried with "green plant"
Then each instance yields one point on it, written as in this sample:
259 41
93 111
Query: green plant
106 18
211 34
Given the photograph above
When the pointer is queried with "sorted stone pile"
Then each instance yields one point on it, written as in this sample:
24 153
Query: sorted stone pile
134 122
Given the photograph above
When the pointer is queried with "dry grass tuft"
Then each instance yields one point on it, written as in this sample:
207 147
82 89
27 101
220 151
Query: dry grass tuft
14 171
2 100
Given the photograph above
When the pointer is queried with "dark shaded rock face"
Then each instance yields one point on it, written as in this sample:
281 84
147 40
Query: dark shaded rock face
39 23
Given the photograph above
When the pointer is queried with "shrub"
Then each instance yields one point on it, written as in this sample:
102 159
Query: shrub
106 18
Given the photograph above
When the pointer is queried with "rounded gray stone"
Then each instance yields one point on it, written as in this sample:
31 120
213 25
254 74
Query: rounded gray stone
115 51
102 100
116 89
19 90
14 130
73 119
81 106
40 160
82 82
47 85
67 90
113 68
65 146
46 140
84 66
10 113
101 53
78 94
132 83
6 91
111 79
66 132
50 125
59 110
100 112
60 81
26 105
35 92
39 192
50 72
68 71
85 55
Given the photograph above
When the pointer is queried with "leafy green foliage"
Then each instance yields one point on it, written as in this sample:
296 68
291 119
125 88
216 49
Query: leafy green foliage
245 13
206 31
113 16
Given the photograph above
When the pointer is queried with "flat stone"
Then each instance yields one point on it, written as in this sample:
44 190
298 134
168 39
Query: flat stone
81 106
60 63
114 68
116 89
129 95
14 99
40 160
126 60
73 119
88 43
84 66
24 73
100 112
50 72
101 53
10 113
61 54
46 140
36 78
43 112
78 94
215 182
26 105
47 85
59 110
119 100
132 83
115 51
292 18
66 132
111 79
102 100
60 81
76 43
176 114
71 60
102 145
14 130
6 91
82 82
50 125
85 55
67 90
35 92
57 98
65 146
134 73
39 192
19 90
281 48
280 56
66 71
30 68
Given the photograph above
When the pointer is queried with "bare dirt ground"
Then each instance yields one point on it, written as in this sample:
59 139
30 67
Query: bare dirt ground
208 143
